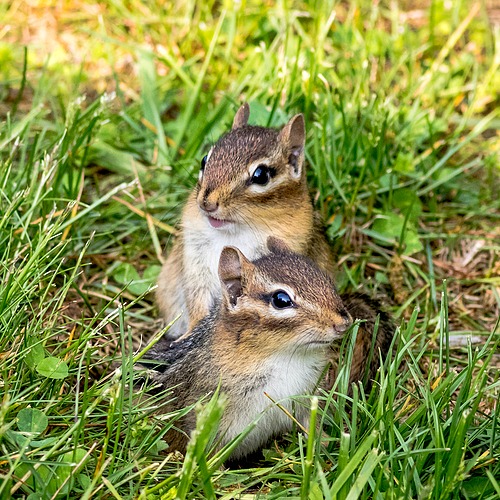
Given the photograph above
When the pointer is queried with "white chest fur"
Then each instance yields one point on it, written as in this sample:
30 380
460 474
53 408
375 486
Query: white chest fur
203 245
290 375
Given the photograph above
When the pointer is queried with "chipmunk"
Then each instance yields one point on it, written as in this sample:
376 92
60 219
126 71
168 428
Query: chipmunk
270 334
252 184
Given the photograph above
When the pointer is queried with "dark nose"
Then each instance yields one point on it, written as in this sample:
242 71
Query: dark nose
210 206
205 203
343 325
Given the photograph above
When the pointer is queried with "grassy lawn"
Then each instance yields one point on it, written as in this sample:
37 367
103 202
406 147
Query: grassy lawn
105 112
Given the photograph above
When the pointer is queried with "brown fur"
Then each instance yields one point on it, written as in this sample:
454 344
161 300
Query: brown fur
284 211
250 347
367 350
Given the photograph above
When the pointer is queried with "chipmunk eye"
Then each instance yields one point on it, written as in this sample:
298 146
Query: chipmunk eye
281 300
203 162
261 175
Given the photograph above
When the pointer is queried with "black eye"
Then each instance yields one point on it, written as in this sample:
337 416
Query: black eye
281 300
203 162
261 175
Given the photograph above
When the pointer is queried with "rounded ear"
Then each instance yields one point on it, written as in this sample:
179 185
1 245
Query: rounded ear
293 140
241 117
233 266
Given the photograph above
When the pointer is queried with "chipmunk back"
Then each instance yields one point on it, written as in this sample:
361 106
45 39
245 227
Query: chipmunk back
371 340
270 334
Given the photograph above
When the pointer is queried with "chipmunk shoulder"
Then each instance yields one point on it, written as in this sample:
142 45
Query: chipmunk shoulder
252 185
270 334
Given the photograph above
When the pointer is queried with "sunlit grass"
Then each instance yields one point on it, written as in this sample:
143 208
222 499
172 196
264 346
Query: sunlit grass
100 144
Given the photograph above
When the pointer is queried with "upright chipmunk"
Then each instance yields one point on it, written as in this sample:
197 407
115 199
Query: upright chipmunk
252 185
270 334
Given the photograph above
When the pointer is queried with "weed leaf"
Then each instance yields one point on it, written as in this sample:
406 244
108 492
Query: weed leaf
52 367
32 420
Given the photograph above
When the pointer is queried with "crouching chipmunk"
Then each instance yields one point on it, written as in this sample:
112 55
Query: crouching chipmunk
271 333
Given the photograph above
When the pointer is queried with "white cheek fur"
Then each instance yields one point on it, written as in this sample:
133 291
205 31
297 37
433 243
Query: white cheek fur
287 313
258 188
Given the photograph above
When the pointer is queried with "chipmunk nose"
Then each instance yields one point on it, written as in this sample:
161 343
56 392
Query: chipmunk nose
205 203
209 206
344 324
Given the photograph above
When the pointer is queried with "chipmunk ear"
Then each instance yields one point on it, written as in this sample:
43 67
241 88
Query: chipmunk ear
275 245
241 117
232 268
293 139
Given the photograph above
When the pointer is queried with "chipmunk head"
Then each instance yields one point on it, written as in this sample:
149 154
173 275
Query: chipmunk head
279 301
251 167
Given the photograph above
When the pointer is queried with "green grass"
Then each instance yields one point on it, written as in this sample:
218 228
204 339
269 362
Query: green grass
402 117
